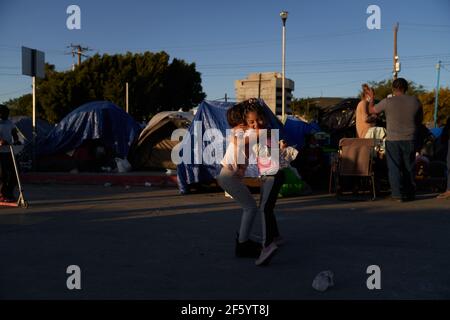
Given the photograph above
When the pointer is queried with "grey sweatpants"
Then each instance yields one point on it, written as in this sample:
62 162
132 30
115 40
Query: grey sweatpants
240 193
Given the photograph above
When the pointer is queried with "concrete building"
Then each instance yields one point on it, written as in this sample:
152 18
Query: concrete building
267 86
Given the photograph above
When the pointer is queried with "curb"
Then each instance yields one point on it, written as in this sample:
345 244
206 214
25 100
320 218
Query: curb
99 179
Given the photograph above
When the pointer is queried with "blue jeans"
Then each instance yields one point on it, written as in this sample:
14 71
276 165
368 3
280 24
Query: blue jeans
401 160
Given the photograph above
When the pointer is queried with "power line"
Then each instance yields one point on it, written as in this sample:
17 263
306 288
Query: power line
10 74
79 51
12 92
250 43
345 83
443 67
325 71
427 25
325 61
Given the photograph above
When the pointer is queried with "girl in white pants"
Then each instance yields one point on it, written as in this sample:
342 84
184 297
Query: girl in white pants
234 165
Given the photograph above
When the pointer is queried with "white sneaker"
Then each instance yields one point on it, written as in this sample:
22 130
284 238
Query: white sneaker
266 254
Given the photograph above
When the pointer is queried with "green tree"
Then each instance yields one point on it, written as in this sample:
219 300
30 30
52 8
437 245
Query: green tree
384 88
305 108
428 102
154 85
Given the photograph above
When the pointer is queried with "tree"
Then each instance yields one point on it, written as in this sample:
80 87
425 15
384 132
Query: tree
21 105
428 102
305 108
154 85
384 88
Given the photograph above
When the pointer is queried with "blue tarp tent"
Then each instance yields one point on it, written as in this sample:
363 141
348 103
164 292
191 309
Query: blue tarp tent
211 114
296 130
95 120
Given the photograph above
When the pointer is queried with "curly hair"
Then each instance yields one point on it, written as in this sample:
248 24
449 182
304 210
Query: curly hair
254 105
235 115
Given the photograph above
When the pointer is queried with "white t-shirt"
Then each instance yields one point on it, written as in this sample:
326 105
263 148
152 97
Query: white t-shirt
231 157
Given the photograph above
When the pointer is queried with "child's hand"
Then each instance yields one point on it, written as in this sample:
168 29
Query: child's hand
283 144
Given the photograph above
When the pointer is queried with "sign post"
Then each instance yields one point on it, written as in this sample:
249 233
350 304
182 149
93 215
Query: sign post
33 65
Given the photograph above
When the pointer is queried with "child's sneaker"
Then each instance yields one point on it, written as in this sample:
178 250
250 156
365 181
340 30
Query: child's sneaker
248 249
266 254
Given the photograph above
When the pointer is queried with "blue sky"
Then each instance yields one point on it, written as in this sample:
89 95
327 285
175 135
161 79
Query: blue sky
329 50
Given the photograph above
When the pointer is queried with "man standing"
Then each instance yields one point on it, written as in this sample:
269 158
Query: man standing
8 135
404 114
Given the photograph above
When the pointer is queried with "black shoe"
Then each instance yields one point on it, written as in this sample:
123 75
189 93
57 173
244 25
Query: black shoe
248 249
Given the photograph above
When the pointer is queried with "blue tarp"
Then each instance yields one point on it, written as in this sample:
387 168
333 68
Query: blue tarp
212 114
437 132
296 130
94 120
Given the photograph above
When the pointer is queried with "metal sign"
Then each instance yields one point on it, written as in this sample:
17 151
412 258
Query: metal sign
33 62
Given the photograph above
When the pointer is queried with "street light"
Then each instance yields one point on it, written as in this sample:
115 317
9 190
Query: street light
283 15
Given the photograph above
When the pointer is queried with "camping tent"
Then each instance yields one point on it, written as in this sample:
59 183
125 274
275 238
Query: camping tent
98 123
340 120
24 125
154 147
210 115
296 130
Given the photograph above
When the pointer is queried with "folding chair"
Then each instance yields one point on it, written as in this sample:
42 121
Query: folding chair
355 159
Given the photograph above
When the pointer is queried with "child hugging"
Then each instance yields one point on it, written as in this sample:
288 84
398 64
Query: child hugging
247 120
233 169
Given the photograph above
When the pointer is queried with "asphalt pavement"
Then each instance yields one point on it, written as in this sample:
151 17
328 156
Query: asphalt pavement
152 243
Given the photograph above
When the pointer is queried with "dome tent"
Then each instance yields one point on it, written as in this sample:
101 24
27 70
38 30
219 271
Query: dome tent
92 124
94 120
212 115
153 148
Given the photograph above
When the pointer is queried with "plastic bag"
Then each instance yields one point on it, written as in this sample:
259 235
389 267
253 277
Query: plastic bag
293 185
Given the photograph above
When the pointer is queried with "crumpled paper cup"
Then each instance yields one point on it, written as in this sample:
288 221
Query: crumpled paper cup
323 281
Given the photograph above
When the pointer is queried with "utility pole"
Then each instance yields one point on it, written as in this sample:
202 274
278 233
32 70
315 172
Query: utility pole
79 51
436 101
259 87
226 98
396 68
126 96
283 15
